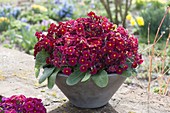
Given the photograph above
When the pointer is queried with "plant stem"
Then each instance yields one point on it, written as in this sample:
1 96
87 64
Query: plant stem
107 8
120 9
166 87
164 54
152 55
116 11
127 7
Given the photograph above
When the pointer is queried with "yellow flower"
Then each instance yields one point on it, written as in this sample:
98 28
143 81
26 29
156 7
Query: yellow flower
129 17
140 21
4 19
39 7
132 22
43 9
34 6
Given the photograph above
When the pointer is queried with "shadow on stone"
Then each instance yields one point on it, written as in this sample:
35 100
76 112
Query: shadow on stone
69 108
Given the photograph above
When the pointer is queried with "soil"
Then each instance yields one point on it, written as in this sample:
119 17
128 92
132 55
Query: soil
17 77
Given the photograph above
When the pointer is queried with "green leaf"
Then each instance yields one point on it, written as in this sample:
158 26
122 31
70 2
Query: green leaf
101 79
37 71
127 73
75 77
40 61
47 72
86 77
1 98
52 78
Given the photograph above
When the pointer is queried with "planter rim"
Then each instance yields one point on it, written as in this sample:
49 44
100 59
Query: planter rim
110 75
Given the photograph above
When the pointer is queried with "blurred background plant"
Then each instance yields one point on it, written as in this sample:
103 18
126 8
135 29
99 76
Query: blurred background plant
119 8
152 18
152 11
65 11
136 22
4 23
9 11
38 8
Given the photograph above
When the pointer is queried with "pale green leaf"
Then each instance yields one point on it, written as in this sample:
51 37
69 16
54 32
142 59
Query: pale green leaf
40 61
127 73
52 78
47 72
86 77
75 77
37 71
100 79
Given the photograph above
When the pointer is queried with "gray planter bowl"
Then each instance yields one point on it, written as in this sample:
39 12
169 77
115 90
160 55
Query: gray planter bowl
88 94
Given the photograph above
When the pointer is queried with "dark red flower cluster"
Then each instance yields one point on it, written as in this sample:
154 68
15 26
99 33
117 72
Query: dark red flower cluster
91 43
21 104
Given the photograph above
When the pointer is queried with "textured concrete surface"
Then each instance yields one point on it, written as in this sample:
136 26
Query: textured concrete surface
17 77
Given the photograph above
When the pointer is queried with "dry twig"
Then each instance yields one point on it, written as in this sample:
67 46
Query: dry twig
152 52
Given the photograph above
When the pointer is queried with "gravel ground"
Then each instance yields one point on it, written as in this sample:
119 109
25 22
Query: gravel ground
17 77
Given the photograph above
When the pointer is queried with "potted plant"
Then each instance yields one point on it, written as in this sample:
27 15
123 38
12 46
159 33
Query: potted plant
88 59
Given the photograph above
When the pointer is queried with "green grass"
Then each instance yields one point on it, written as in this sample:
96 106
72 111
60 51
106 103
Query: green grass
16 1
8 1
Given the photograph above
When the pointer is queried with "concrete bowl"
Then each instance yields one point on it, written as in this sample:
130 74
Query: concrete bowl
88 94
